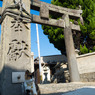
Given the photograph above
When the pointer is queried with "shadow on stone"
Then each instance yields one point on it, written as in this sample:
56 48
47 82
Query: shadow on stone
6 85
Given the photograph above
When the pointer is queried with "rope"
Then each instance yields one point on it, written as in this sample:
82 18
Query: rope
18 16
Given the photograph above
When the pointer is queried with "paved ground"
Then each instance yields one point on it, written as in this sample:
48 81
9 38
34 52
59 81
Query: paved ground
82 91
68 89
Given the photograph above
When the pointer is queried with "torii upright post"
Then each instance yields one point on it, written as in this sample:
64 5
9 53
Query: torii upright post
72 62
16 50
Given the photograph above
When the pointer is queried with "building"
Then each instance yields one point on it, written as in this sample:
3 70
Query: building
48 63
85 63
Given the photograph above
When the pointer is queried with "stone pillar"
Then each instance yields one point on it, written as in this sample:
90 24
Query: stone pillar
16 51
72 62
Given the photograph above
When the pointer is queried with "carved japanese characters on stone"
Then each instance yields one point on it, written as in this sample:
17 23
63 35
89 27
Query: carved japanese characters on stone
16 25
16 49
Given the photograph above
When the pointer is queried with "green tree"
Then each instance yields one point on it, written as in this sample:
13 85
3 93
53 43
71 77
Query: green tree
84 40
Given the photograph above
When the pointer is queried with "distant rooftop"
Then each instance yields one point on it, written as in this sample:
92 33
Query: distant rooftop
52 59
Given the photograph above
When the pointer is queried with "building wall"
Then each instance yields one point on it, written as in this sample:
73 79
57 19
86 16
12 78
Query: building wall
86 66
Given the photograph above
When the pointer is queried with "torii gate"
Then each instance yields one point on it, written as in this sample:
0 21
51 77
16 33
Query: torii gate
15 39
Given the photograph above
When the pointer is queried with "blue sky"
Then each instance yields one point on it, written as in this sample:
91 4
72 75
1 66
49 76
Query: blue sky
45 47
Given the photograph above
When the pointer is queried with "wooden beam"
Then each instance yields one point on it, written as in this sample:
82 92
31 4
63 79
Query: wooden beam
35 4
52 22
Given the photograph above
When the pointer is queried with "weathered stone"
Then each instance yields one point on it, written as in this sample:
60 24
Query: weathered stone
53 22
61 74
36 4
72 62
88 77
16 50
44 11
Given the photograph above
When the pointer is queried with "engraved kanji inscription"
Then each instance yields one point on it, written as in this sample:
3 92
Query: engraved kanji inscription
16 25
16 49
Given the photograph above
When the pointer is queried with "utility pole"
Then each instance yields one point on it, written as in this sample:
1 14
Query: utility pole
40 70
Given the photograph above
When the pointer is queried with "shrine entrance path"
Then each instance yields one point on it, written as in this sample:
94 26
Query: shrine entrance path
68 89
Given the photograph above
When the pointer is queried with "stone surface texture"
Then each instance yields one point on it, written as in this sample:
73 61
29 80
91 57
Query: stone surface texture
15 50
61 88
86 67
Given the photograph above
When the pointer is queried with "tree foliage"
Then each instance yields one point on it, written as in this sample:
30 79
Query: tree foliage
84 40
